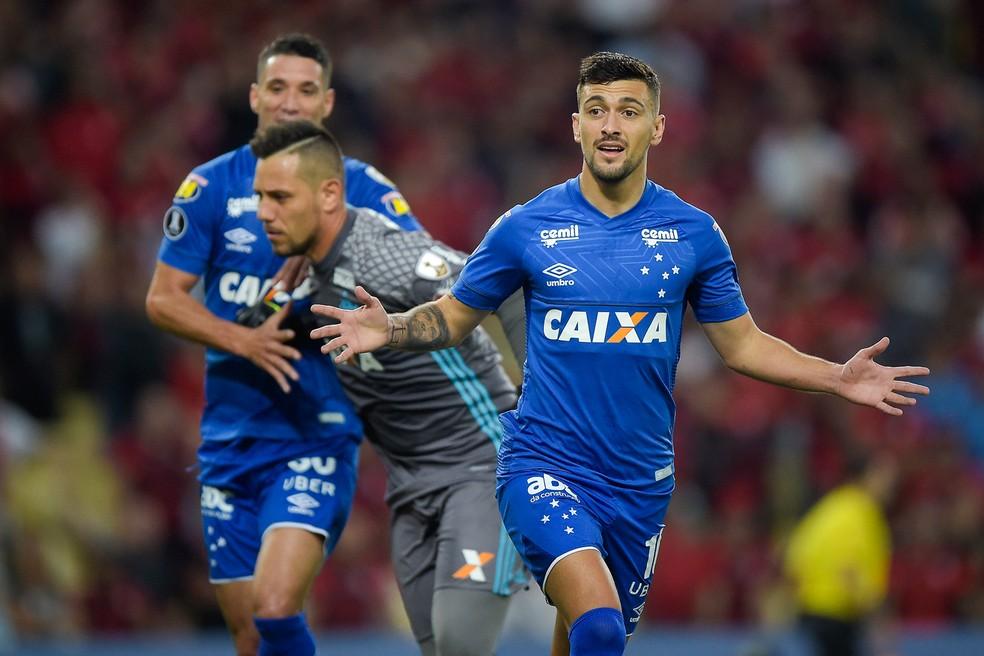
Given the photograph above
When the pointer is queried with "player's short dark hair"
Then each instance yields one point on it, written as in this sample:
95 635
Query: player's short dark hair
608 67
304 137
299 45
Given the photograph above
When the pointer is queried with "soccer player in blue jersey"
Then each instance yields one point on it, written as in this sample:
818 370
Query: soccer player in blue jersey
280 438
608 262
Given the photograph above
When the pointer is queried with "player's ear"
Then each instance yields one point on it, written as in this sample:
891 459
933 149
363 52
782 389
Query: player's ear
658 126
329 102
331 195
254 98
576 126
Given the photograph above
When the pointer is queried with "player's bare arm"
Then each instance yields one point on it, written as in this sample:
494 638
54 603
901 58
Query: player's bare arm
428 327
750 351
171 306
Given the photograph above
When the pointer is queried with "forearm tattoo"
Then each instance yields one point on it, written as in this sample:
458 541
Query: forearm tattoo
422 329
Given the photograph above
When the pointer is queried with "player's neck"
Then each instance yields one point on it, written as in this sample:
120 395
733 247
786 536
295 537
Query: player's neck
330 227
613 198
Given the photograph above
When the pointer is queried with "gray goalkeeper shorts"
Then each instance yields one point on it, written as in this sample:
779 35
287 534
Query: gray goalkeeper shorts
452 538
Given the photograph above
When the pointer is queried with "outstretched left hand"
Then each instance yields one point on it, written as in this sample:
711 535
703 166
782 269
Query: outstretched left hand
865 382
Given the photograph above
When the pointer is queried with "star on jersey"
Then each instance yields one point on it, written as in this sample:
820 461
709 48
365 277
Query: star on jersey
573 511
644 270
545 519
676 270
659 257
554 503
568 530
565 516
666 275
661 293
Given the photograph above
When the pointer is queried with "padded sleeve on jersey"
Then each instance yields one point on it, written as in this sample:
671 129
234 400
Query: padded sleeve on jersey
714 293
188 225
495 269
367 187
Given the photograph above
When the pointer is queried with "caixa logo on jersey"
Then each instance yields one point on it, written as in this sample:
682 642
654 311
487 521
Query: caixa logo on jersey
245 289
604 326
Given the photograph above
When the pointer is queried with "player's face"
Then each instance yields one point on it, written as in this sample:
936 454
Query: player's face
615 125
287 207
290 88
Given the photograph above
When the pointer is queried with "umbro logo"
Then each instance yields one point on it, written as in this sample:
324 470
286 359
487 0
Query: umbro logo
302 504
560 272
239 240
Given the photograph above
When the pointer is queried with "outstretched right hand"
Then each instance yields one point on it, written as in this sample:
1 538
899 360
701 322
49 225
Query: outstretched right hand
265 346
364 329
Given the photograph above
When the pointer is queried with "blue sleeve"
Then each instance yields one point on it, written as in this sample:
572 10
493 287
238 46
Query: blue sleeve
714 293
365 186
495 270
188 225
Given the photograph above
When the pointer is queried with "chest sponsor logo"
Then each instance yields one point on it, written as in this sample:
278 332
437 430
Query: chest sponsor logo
235 287
603 327
653 236
560 272
549 238
236 207
239 240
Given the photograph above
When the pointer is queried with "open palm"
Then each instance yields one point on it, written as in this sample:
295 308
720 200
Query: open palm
864 381
363 329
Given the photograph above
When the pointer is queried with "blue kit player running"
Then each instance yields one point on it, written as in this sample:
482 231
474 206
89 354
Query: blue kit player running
608 262
280 438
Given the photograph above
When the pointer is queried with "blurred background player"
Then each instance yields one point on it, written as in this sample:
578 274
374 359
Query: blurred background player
279 437
609 262
433 417
839 556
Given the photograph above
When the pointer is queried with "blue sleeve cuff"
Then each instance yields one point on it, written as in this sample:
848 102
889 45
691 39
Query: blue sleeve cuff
730 309
473 298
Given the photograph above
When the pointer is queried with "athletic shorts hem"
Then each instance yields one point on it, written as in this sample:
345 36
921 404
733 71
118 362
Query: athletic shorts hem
307 527
560 558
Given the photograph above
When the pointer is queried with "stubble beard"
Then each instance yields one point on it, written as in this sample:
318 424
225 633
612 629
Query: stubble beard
612 176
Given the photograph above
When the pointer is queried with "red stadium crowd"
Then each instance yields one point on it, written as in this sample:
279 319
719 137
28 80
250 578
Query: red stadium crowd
839 145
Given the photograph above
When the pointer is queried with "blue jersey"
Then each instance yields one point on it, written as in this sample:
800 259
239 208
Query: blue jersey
212 230
605 299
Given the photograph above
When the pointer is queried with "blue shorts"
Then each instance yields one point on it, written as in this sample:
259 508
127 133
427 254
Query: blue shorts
549 516
249 486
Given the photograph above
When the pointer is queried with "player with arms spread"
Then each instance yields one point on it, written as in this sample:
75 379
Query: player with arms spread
431 416
608 261
280 438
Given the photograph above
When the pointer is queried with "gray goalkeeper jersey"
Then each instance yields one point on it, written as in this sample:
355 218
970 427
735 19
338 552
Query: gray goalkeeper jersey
433 417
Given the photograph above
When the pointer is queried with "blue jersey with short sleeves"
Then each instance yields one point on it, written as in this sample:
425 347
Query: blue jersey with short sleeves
212 230
605 300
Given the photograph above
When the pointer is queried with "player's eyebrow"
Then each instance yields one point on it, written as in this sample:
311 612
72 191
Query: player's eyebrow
624 100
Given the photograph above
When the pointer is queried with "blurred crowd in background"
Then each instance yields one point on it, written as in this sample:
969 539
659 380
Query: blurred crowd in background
838 143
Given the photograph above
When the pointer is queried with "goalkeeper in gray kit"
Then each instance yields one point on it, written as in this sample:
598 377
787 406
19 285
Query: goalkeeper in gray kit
433 417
